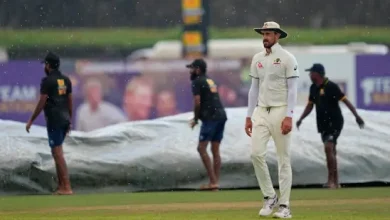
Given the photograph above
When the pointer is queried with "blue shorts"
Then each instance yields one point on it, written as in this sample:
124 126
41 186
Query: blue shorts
330 136
212 131
56 136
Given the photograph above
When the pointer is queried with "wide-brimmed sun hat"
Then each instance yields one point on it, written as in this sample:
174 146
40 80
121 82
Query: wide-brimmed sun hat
271 26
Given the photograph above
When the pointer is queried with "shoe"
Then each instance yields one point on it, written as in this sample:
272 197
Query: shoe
283 212
268 205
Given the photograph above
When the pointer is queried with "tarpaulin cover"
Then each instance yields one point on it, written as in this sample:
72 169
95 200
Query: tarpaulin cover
161 154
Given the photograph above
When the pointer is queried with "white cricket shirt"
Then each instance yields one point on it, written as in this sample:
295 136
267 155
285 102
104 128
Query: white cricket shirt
273 70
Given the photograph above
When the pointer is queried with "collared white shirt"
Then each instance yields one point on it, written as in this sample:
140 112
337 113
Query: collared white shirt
273 70
106 114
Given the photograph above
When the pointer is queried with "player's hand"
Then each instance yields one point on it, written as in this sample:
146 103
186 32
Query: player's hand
286 125
28 126
248 126
360 121
299 122
193 123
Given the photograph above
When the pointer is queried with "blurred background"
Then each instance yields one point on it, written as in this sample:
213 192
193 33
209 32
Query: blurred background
126 60
129 56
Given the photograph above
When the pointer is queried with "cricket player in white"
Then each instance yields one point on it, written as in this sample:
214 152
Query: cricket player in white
271 102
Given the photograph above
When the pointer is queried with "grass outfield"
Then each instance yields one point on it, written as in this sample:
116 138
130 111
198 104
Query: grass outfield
356 204
138 37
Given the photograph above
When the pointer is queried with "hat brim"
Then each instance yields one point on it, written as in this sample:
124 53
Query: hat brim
308 70
282 33
189 66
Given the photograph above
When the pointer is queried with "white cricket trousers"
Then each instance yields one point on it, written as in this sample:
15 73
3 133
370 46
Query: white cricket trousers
267 123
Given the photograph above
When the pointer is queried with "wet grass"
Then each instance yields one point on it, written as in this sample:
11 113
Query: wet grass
364 203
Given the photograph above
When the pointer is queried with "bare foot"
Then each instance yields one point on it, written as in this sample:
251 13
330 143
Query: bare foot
209 187
332 186
63 192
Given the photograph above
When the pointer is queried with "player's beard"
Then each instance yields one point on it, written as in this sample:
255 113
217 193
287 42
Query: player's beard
193 76
269 45
46 71
314 80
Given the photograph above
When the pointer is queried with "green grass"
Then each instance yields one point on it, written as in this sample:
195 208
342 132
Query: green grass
327 212
365 203
140 37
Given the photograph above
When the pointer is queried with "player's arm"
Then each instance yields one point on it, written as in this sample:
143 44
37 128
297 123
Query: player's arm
252 97
307 111
292 76
42 99
350 107
196 107
292 89
308 108
253 94
196 90
338 94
